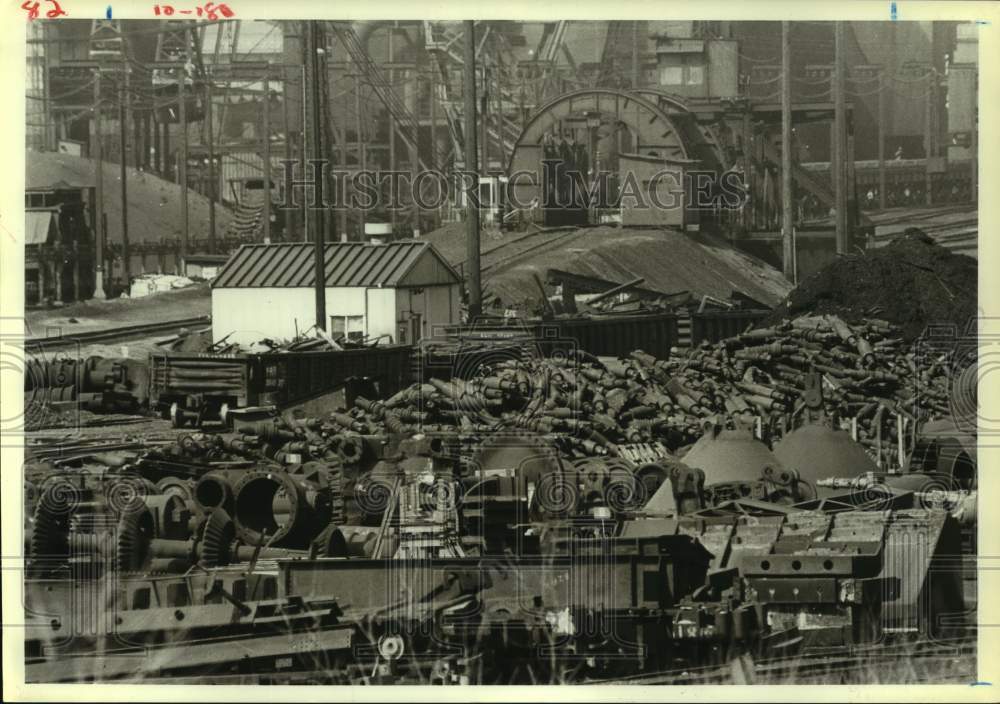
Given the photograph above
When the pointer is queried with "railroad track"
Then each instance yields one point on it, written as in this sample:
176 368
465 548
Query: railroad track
123 332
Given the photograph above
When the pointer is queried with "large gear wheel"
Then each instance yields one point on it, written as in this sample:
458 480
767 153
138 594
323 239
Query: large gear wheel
217 536
328 477
49 542
135 533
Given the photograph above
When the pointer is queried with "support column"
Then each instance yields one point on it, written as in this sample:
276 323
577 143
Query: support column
747 165
316 143
157 143
170 173
76 272
392 119
42 266
266 155
787 219
182 158
124 110
210 144
57 266
974 139
840 139
289 215
432 107
881 138
929 135
99 184
471 167
360 136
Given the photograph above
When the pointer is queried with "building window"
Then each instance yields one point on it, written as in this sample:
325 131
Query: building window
671 75
695 75
350 326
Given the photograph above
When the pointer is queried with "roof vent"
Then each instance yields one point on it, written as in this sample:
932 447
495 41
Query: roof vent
377 232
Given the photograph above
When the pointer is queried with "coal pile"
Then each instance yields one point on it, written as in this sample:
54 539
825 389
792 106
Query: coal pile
911 282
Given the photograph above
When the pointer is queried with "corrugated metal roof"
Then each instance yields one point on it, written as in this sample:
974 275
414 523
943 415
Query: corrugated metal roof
291 265
237 166
36 226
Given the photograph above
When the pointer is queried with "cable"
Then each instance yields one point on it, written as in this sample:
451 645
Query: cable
67 94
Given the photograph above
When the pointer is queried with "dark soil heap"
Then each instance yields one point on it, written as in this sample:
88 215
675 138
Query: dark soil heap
912 282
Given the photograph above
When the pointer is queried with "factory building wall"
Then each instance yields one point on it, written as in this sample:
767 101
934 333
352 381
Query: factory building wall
419 311
249 315
381 312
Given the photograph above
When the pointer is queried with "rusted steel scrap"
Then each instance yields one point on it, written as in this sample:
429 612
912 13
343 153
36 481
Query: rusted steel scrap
624 514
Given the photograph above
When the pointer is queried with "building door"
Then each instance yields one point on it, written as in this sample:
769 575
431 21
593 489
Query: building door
416 327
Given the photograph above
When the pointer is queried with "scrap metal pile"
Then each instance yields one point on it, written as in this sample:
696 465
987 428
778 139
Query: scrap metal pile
870 378
623 515
90 384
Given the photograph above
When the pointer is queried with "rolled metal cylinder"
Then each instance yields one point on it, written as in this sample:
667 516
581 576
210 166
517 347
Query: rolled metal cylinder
215 490
276 509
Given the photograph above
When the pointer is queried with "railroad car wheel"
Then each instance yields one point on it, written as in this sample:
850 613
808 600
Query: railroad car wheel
176 415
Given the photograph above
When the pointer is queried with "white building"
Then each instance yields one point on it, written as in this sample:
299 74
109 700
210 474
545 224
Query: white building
400 290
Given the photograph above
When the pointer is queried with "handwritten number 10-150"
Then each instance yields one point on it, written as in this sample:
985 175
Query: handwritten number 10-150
210 11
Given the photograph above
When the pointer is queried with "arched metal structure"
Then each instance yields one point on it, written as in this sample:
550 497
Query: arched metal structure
703 143
600 113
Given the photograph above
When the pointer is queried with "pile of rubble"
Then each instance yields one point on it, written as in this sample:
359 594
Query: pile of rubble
520 483
912 282
863 376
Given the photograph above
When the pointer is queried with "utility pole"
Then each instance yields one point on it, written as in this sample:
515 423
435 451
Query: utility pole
313 45
471 210
358 131
392 119
182 161
881 138
99 192
432 90
635 55
303 142
929 133
285 122
787 220
343 179
840 139
747 130
498 114
124 109
974 138
210 143
50 141
266 148
484 136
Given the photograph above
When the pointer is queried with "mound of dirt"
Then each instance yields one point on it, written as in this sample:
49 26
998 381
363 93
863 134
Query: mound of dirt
912 282
668 260
154 205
